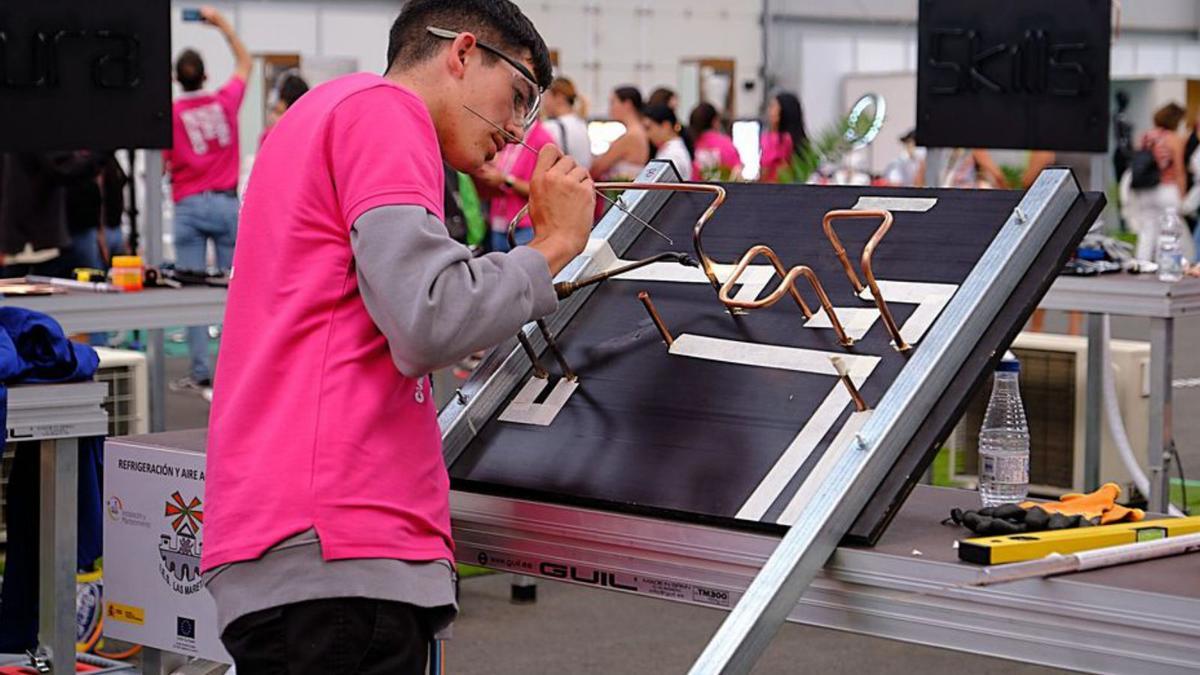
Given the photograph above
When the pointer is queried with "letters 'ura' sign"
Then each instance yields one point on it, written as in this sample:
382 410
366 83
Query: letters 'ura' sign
1014 74
84 75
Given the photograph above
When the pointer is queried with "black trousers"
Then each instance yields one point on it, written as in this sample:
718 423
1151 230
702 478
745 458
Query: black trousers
339 635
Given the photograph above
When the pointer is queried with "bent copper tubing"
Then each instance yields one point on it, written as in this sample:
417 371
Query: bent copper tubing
868 252
717 191
555 351
565 288
644 296
538 371
787 286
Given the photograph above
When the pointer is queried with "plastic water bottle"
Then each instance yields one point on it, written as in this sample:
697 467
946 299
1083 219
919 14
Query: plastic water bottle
1004 440
1168 254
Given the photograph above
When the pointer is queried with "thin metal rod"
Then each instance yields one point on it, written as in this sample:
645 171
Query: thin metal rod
555 351
844 375
566 288
615 203
644 296
538 371
889 321
787 286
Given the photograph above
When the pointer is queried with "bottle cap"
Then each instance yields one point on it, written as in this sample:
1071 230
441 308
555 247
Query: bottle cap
1009 364
126 261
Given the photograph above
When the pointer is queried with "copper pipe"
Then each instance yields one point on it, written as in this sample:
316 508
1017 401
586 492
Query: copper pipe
844 375
889 321
658 322
555 351
538 371
564 289
717 191
788 285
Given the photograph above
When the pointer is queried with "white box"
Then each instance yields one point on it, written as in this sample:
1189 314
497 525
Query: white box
153 535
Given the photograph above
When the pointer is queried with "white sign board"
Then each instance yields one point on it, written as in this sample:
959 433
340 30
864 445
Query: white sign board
153 535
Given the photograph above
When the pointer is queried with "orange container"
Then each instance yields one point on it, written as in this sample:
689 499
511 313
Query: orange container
126 272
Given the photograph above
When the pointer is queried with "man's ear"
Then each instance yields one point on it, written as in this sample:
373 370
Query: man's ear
461 51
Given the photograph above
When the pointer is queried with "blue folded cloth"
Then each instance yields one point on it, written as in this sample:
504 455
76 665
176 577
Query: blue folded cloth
34 350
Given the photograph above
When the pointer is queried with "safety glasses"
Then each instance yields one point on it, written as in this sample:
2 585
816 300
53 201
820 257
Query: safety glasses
527 96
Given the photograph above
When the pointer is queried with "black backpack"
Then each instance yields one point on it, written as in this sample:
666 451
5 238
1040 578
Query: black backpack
1144 171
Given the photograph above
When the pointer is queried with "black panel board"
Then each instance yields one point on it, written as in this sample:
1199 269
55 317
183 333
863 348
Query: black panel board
1014 74
85 75
975 373
689 439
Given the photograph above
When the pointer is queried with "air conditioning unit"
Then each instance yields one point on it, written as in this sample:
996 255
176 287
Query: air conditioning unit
128 400
1054 391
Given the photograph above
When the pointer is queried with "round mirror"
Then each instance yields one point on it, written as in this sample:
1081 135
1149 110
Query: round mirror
865 120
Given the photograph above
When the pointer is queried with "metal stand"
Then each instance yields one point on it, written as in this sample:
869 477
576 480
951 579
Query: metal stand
1095 411
57 415
153 236
1161 303
828 509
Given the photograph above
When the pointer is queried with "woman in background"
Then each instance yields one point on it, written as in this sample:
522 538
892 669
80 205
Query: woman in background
628 154
714 156
565 124
291 88
662 130
785 135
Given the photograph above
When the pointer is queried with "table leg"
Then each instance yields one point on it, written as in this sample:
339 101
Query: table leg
158 662
157 371
1094 403
59 479
1162 344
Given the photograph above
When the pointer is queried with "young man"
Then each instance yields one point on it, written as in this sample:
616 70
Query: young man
328 544
203 163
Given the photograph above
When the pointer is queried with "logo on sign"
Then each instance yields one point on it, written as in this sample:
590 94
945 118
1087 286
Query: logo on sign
179 550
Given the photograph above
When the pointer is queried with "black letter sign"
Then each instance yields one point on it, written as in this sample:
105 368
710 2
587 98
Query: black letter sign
1014 74
85 75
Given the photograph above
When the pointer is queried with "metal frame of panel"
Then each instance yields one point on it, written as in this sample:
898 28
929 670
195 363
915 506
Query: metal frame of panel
1060 622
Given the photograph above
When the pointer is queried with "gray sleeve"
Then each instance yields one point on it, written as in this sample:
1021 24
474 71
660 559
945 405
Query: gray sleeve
433 301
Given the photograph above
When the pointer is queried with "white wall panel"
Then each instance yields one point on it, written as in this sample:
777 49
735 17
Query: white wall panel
278 27
825 59
1123 60
359 32
879 55
1155 59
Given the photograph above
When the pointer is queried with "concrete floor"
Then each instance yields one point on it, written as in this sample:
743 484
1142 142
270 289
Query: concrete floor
578 630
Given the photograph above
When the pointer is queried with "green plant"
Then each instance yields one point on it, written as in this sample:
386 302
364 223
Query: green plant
829 146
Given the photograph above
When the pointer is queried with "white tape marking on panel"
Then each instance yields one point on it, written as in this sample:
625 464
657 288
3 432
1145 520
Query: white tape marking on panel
842 443
856 320
769 356
751 285
912 204
523 409
930 299
784 358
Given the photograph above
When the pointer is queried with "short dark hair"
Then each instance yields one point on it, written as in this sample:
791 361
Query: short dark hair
189 70
661 96
660 113
499 23
291 89
1169 116
702 118
629 94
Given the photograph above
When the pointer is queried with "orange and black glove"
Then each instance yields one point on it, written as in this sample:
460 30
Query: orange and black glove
1073 510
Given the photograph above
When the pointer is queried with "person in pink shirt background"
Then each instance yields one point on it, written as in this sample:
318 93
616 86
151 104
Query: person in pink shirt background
508 176
203 162
715 158
785 135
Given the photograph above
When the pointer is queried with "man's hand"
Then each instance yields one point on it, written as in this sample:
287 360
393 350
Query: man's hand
212 16
561 204
241 56
490 175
